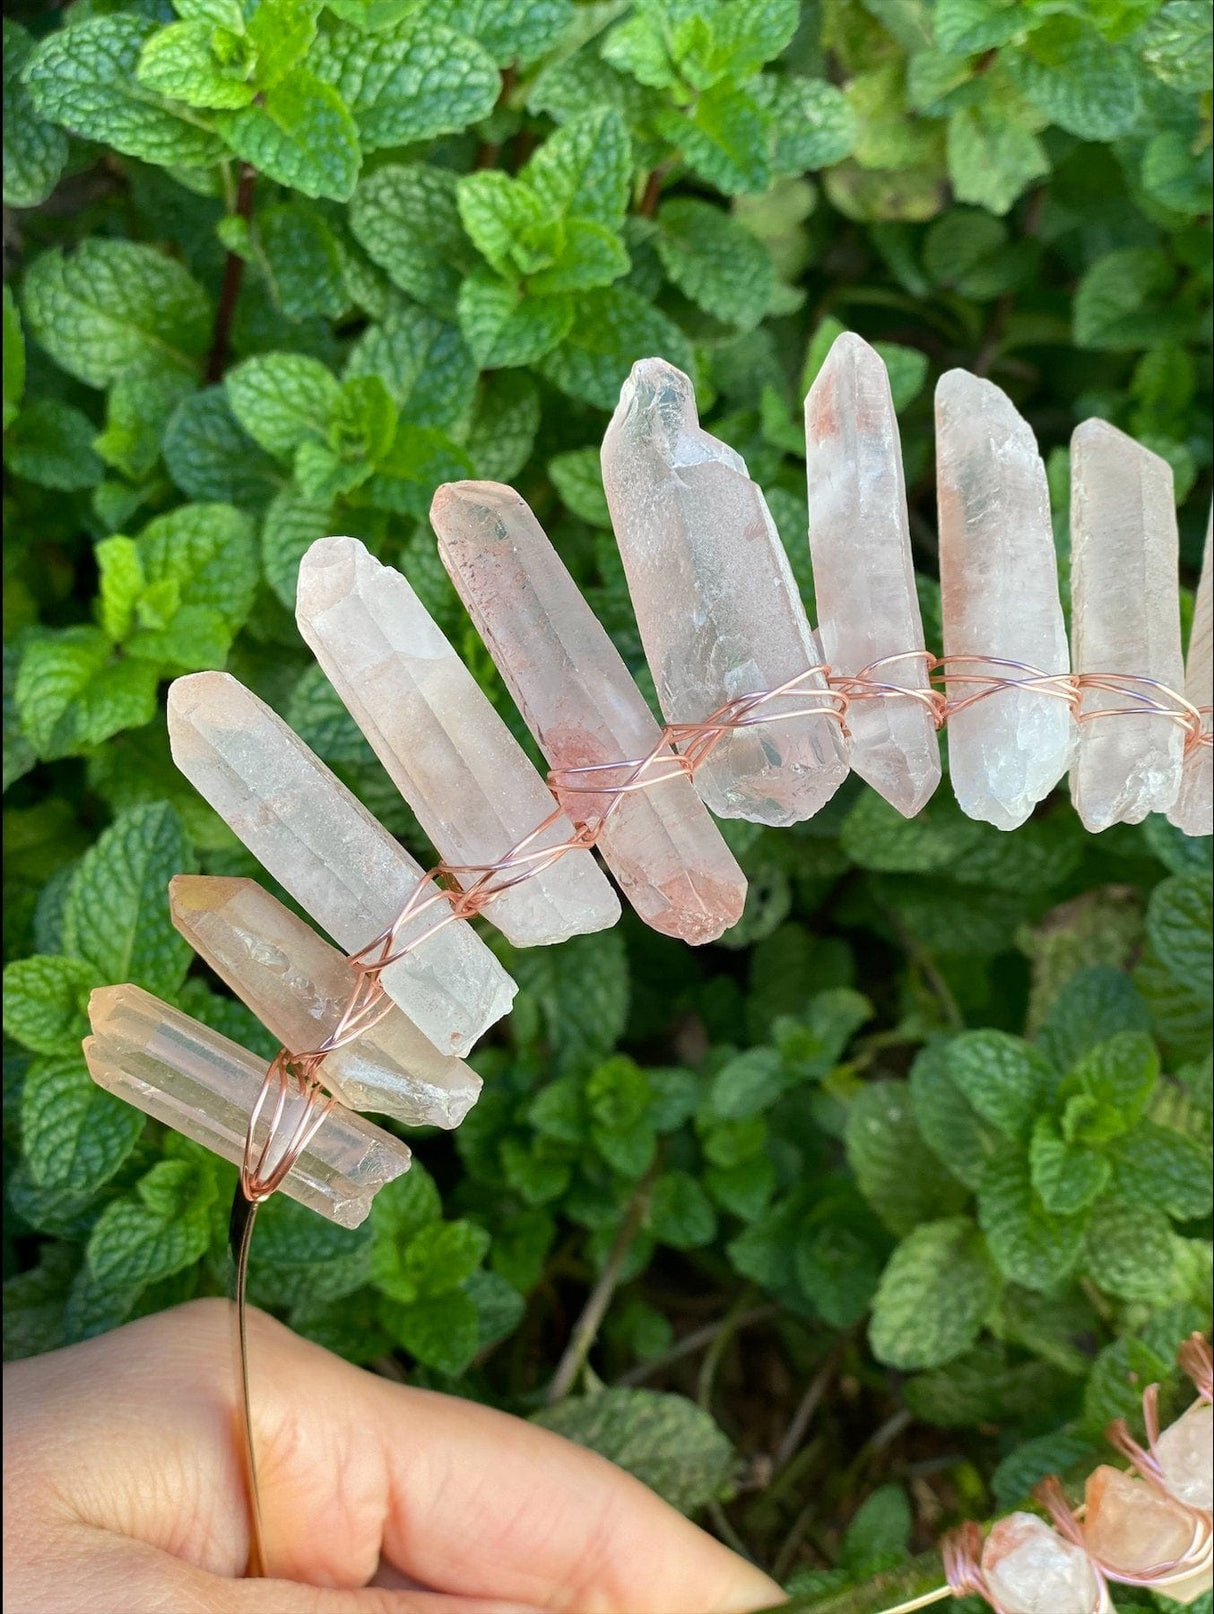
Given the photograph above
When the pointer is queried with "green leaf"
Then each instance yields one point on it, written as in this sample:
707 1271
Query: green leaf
1005 1079
1067 1177
680 1213
408 82
1153 1165
84 77
504 425
578 480
46 1002
726 140
188 61
583 994
116 916
304 261
614 328
1129 1250
34 1302
934 1295
589 255
1031 1246
137 412
748 1083
407 220
971 25
1175 45
209 455
35 151
283 400
14 358
839 1271
440 1256
512 31
893 1170
301 133
880 1529
158 1230
281 32
1093 1006
1121 302
507 222
419 460
583 170
292 524
51 443
1117 1077
1085 85
666 1441
715 262
113 306
992 157
503 326
951 1126
1179 921
74 1134
203 558
72 695
814 123
443 1333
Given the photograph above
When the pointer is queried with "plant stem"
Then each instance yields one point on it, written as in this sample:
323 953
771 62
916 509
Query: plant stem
808 1405
690 1343
233 273
585 1330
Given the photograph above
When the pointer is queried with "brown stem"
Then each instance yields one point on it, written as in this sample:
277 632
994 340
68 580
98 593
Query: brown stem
808 1405
653 191
233 273
690 1343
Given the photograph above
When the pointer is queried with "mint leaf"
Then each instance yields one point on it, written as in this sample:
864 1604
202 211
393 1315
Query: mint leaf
443 1332
1030 1245
408 82
583 996
584 169
505 219
614 328
577 478
726 140
1083 84
72 695
292 524
1093 1006
813 121
35 151
1175 45
281 32
300 132
503 326
407 220
512 31
992 157
116 916
283 400
181 62
113 306
1153 1165
1066 1177
589 255
963 26
1118 1077
1121 303
934 1295
665 1440
303 261
51 443
45 1002
504 425
1179 922
137 411
210 456
420 458
441 1255
74 1134
893 1170
1005 1079
951 1126
715 262
1129 1250
84 77
680 1213
423 361
201 558
163 1226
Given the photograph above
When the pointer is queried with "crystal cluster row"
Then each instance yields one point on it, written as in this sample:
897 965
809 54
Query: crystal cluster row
724 632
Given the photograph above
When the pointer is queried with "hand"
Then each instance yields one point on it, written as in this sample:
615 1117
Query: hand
124 1493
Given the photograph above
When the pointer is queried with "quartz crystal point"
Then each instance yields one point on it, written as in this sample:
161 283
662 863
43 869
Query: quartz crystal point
1185 1453
864 578
579 700
1125 618
1193 811
999 587
298 987
1130 1528
448 752
1032 1570
336 860
184 1074
715 601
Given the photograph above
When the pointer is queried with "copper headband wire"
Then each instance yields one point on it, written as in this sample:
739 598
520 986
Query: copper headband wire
452 891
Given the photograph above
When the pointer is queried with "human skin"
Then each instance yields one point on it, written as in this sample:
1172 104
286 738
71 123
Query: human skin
123 1493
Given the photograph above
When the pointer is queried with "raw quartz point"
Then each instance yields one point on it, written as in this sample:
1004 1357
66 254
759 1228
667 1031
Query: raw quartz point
1130 1528
579 700
1125 618
1031 1569
202 1085
448 752
298 987
715 600
1185 1452
1193 810
999 588
336 860
864 578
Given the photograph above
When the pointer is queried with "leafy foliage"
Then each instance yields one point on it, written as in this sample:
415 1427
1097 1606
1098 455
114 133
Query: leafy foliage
932 1122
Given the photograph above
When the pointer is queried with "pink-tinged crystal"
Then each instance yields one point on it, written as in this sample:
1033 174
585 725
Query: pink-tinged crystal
447 750
336 860
999 588
179 1071
864 577
1185 1452
1031 1569
1130 1528
298 987
1125 618
579 700
1193 810
716 602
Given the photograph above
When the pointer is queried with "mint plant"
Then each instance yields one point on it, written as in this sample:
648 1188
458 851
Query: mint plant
864 1219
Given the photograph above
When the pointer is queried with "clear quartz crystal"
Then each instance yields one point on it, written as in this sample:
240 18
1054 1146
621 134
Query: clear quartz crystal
1193 810
579 700
1185 1452
999 593
298 987
202 1085
1125 618
447 751
864 577
715 600
336 860
1031 1569
1130 1528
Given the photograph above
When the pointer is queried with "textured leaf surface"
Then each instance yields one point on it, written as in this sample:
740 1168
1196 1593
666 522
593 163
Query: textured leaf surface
933 1296
35 150
75 1134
